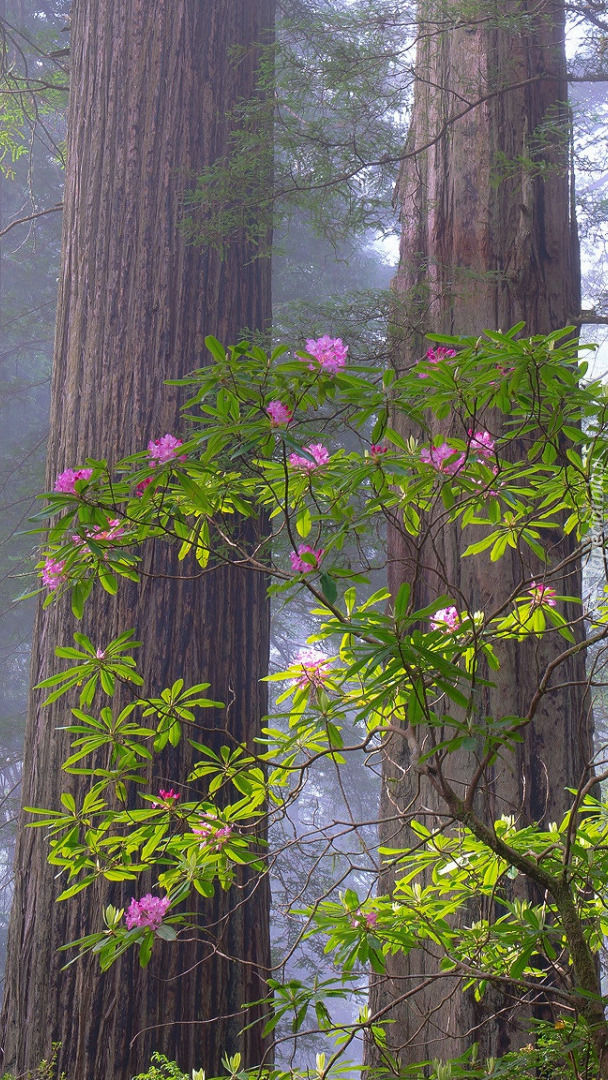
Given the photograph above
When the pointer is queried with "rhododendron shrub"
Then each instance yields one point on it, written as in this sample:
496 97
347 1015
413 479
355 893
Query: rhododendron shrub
250 446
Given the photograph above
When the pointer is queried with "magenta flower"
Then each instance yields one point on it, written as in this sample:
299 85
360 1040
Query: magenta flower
169 797
446 619
376 450
365 920
164 449
330 353
211 837
481 444
143 484
542 595
149 911
302 566
318 452
435 356
53 573
279 414
66 481
437 456
314 666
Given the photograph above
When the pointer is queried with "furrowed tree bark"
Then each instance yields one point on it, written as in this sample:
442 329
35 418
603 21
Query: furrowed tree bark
152 89
488 239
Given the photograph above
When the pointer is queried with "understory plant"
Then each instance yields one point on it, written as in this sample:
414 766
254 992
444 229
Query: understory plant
524 458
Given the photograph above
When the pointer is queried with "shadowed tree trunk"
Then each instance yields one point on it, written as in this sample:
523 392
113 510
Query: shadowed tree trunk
488 239
152 87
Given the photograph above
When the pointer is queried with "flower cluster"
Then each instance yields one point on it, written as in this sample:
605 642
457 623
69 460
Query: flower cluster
303 566
149 911
66 481
365 920
318 453
53 573
279 414
446 619
168 798
330 353
435 356
211 837
542 595
314 667
444 458
376 450
162 450
481 444
113 532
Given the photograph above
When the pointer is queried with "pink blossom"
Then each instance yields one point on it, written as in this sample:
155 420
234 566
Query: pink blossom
318 452
300 565
164 449
364 919
66 481
435 356
279 414
143 484
212 838
330 353
542 595
100 654
481 444
169 796
314 665
437 456
446 618
53 573
377 449
149 911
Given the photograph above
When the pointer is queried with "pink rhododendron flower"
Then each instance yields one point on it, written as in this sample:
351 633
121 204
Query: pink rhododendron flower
481 444
446 618
100 654
113 532
437 456
376 450
330 353
542 595
314 665
435 356
149 911
143 484
300 565
53 573
212 837
364 919
66 481
169 796
279 414
164 449
318 452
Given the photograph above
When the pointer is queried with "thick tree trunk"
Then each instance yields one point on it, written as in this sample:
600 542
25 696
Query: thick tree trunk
488 239
152 87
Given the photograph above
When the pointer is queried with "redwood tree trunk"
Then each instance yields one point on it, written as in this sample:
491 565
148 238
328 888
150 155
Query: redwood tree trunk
488 239
152 87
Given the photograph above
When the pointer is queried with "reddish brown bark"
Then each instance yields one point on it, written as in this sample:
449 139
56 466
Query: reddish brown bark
152 85
488 239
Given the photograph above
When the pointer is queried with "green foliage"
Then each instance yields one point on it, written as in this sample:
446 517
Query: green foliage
391 666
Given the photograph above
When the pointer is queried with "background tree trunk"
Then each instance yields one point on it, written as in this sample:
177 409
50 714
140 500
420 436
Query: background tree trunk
152 89
488 239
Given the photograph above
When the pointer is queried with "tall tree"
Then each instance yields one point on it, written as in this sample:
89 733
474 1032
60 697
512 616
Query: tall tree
488 239
152 94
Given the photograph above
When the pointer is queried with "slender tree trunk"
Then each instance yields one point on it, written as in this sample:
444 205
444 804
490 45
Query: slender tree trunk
488 239
152 89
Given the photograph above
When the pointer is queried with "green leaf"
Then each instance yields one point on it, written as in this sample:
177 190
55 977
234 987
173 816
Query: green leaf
329 587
